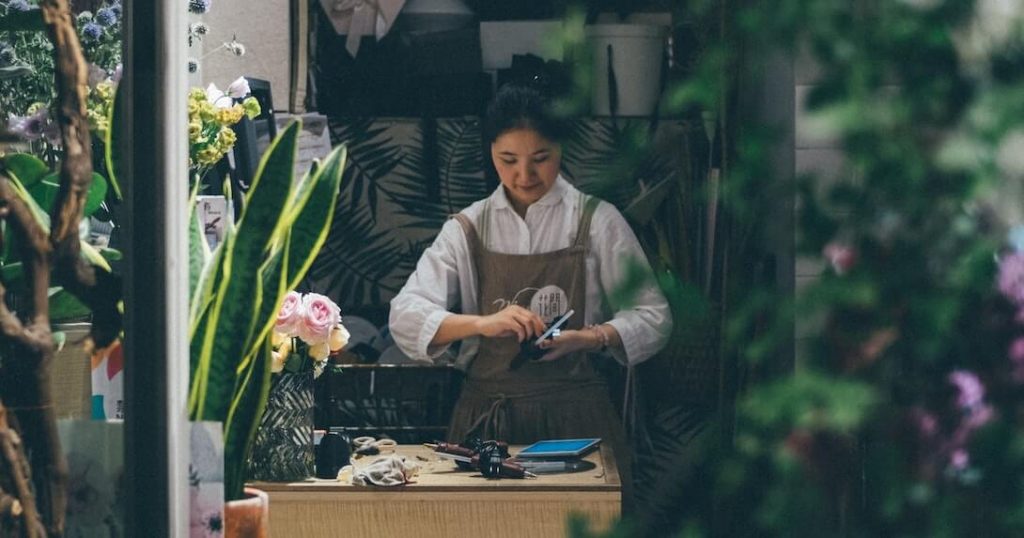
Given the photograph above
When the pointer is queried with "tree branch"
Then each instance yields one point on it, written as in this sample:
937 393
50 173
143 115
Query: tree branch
22 503
76 166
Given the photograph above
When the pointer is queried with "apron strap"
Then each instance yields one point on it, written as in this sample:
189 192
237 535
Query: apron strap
589 204
471 236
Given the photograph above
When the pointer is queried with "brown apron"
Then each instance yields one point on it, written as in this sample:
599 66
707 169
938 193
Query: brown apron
564 398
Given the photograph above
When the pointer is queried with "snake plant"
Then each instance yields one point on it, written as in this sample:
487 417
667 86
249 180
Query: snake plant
239 287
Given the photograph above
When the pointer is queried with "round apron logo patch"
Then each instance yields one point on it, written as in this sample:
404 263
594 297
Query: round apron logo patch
549 303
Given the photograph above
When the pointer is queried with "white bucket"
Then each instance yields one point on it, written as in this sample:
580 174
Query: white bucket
636 57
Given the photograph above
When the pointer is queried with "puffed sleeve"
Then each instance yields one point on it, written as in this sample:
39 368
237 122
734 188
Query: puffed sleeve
430 294
643 318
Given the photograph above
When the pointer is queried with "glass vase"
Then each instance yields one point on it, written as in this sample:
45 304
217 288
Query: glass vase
283 449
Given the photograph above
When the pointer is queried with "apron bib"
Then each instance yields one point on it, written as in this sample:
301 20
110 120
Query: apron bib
538 400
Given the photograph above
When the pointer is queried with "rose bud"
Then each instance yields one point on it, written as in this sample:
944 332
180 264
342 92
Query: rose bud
339 337
319 351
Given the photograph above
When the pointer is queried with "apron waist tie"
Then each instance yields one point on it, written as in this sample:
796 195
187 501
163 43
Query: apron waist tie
492 424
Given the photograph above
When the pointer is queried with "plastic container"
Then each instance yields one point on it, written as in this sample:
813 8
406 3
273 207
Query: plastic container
635 52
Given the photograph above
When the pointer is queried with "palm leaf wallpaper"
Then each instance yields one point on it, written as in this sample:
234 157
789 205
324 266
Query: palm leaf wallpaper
406 176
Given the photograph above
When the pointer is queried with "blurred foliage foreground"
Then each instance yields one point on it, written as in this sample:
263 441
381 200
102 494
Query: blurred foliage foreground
904 414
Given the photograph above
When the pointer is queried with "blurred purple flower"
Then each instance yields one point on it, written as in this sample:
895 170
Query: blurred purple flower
971 391
106 16
1011 277
35 126
925 422
118 71
92 31
199 6
959 459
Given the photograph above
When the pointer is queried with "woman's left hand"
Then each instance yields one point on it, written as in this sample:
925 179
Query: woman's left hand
568 342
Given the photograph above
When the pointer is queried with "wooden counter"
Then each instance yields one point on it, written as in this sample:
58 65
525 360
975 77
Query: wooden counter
446 503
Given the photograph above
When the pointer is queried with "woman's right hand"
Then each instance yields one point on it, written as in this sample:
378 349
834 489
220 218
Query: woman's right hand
511 321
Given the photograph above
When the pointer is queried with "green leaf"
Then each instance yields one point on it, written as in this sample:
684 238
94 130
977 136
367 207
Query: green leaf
89 253
110 145
198 250
59 339
45 193
66 307
27 168
315 214
97 193
12 273
22 21
111 254
240 292
275 282
244 419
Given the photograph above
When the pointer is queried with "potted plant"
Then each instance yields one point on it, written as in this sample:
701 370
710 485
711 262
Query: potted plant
238 290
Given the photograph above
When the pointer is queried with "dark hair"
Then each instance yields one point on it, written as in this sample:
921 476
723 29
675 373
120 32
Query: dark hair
517 106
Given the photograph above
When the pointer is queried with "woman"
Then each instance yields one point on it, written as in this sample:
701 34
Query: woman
508 265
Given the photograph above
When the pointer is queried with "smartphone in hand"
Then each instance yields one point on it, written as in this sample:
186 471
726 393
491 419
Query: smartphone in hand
530 350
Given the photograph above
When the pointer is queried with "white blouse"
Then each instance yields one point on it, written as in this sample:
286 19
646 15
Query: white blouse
445 280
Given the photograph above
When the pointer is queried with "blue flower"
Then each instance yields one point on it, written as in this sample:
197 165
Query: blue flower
199 6
106 17
115 8
92 30
19 5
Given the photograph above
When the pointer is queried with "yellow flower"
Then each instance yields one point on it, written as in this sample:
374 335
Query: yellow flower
277 361
225 139
209 156
251 107
230 116
339 337
320 351
195 130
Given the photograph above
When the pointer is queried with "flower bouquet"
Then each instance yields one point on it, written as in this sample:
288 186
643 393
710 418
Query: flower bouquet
211 114
307 330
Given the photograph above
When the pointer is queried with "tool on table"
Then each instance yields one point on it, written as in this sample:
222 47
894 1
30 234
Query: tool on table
371 446
531 350
490 458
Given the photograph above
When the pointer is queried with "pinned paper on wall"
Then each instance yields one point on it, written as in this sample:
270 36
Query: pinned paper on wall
206 479
108 382
95 456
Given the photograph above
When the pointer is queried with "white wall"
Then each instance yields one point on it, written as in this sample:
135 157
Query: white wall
263 27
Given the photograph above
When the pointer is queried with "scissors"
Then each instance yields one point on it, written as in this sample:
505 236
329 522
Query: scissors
371 446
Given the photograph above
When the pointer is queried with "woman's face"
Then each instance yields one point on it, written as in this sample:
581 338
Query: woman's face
527 164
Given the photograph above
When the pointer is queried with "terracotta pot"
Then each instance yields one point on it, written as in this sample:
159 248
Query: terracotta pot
248 517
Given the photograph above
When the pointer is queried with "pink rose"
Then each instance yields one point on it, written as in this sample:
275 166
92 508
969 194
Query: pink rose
320 316
290 314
